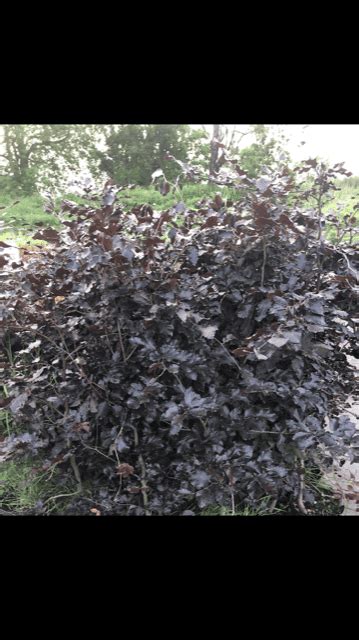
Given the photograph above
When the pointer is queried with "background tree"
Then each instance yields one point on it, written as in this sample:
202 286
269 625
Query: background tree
266 151
30 153
33 155
216 143
133 152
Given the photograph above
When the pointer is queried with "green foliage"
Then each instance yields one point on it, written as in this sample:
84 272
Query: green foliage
29 211
254 157
199 148
190 195
226 511
24 488
342 206
349 186
33 154
134 152
18 220
337 205
262 153
326 502
5 416
263 509
18 491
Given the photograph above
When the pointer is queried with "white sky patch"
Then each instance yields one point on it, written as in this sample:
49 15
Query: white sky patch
331 142
334 142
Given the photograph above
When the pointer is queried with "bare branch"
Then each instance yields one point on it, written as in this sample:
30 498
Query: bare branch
301 490
242 134
264 262
229 355
121 341
48 143
76 471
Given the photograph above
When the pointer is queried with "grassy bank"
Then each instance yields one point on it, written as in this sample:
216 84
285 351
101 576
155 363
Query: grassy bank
28 213
24 489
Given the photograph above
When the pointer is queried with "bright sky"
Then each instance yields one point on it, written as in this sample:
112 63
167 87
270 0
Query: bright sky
334 142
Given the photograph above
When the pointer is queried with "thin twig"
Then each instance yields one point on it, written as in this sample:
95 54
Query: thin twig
353 272
264 261
121 341
301 490
143 475
97 451
39 333
80 369
131 353
76 471
231 483
229 355
144 484
179 382
319 238
109 343
66 351
63 495
233 503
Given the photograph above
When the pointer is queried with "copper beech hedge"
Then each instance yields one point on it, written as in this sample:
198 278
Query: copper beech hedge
182 359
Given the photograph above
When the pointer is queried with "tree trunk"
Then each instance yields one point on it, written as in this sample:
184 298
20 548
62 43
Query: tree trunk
214 148
16 152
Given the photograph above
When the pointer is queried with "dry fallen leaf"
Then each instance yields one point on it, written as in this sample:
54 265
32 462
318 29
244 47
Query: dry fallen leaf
82 426
241 352
124 470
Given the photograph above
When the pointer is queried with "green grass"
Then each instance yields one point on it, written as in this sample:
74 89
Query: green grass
189 194
5 417
24 486
20 220
24 216
20 487
343 205
226 511
325 502
262 510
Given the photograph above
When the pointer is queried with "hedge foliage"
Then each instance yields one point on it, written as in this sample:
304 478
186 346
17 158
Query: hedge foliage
187 358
